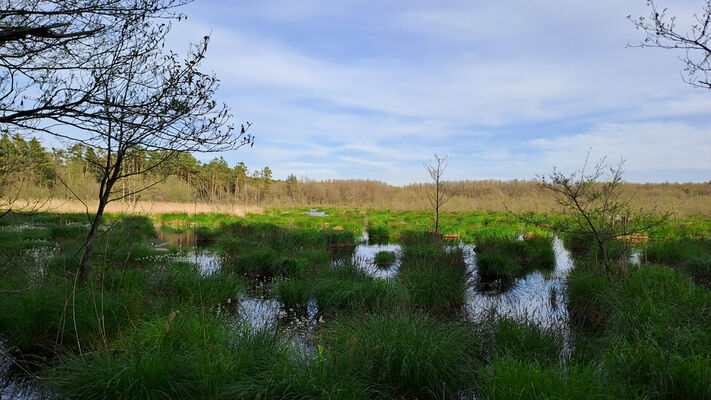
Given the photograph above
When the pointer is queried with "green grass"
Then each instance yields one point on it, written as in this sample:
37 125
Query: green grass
378 233
528 255
266 262
523 340
407 354
589 295
182 283
650 332
292 293
510 378
403 337
385 259
693 256
191 357
347 288
50 314
493 266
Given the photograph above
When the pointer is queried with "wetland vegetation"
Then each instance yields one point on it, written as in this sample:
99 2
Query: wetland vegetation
285 304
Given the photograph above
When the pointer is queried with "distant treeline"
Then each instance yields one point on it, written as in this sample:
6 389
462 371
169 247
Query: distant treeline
69 173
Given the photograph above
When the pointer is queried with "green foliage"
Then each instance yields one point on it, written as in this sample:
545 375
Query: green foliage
692 256
409 354
189 356
378 233
646 337
265 261
348 288
182 283
589 295
524 340
510 378
652 330
434 277
206 235
494 266
50 313
292 293
385 259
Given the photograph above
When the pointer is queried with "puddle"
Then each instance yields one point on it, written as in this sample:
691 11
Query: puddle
259 313
12 387
636 257
365 253
207 260
315 213
185 239
536 297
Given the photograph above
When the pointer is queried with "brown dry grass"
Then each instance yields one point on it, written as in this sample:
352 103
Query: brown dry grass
140 208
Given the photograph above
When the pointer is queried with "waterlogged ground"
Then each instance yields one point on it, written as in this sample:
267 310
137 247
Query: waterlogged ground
538 297
545 352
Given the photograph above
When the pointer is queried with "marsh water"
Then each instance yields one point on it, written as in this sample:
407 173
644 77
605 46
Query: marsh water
537 297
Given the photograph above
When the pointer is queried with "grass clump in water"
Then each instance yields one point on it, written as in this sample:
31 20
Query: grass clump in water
265 261
385 259
691 256
378 234
535 253
348 288
183 283
435 277
292 293
493 266
182 355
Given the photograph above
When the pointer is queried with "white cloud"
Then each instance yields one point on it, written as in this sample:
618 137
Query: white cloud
480 68
643 146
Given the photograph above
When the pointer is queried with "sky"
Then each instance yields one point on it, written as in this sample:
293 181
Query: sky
505 89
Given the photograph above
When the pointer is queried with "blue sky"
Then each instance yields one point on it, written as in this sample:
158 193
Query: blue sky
371 89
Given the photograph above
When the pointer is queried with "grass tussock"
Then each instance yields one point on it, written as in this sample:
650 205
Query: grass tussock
406 354
435 277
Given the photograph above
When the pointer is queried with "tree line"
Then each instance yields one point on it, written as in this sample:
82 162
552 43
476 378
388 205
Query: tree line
33 171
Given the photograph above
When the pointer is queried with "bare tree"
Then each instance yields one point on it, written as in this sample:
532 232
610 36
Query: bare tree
50 68
147 101
441 192
593 206
661 31
48 48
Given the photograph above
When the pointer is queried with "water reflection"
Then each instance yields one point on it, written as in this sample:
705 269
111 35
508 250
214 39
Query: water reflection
366 254
537 297
315 213
207 260
13 387
185 239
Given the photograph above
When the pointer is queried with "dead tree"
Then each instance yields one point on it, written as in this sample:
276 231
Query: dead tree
146 100
441 192
694 42
49 47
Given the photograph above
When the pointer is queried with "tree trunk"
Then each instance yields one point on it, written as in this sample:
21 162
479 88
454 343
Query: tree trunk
89 245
